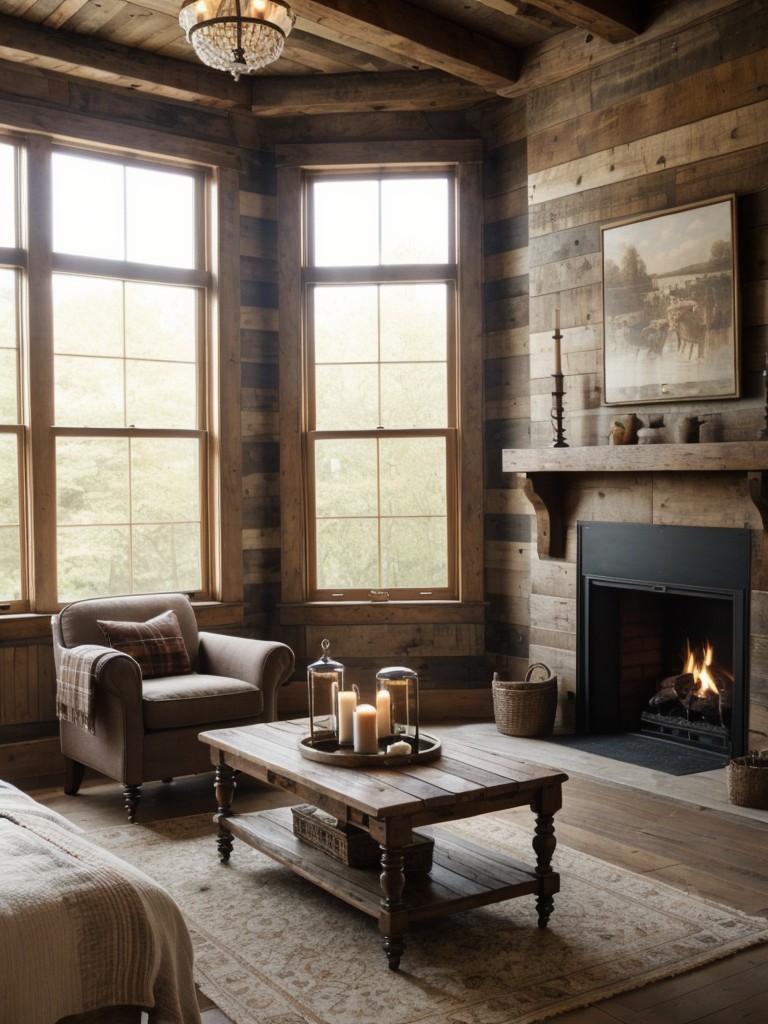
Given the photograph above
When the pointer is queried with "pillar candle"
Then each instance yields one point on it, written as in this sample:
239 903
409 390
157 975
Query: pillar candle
364 734
347 705
383 713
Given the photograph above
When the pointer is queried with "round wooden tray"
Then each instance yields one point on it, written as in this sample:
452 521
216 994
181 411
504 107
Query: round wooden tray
328 751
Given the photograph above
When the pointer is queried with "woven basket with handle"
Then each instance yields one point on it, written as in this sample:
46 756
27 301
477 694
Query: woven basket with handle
748 780
527 707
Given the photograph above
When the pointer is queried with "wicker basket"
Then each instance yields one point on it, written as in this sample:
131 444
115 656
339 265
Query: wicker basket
526 708
748 780
353 846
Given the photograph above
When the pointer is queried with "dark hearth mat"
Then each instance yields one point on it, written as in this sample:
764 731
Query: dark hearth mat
647 752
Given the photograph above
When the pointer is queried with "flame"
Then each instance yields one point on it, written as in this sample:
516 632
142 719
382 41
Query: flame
698 666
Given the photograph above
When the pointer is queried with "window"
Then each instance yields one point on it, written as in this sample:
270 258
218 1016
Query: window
104 360
380 294
384 300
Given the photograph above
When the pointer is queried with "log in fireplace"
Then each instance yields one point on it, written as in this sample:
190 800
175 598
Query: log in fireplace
662 620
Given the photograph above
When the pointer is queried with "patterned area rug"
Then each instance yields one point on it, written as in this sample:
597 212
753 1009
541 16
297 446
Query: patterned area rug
271 948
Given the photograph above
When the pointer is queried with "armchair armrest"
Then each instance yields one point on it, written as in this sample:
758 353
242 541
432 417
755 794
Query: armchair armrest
119 676
265 664
115 747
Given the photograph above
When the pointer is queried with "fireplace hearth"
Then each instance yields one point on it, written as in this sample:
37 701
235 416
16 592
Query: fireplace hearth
662 617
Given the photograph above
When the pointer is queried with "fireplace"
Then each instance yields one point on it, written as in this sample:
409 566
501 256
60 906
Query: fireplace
662 619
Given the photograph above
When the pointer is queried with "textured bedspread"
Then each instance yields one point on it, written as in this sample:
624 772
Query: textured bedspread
81 930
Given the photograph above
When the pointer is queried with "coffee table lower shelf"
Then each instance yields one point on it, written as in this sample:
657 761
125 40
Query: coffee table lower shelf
464 875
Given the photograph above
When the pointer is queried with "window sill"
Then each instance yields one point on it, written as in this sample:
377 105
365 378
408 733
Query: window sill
25 626
37 625
321 613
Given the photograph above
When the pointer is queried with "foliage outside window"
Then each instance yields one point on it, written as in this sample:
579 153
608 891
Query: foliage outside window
103 434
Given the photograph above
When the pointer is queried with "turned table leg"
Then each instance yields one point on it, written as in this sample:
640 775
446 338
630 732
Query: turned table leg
393 918
224 787
544 844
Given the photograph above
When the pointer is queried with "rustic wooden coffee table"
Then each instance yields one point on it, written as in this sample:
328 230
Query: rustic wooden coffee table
389 803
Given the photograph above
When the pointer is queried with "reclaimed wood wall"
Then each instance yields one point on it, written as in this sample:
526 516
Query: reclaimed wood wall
259 390
668 121
508 527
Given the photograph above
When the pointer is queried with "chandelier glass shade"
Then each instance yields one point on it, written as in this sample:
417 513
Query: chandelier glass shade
236 35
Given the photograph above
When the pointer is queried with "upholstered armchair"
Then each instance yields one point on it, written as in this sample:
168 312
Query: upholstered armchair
137 683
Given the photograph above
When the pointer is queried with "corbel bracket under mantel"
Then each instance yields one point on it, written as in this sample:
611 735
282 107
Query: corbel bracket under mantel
543 474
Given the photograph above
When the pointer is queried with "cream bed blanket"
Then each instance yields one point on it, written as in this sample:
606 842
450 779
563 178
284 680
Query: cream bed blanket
80 929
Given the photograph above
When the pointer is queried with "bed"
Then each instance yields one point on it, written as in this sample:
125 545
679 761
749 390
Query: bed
84 937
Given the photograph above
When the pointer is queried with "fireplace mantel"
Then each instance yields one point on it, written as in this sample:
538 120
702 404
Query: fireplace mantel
543 470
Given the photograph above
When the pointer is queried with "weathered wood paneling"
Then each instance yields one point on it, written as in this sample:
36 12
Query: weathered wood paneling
668 121
259 326
507 371
677 117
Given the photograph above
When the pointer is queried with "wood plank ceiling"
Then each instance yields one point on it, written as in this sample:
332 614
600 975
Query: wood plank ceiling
343 55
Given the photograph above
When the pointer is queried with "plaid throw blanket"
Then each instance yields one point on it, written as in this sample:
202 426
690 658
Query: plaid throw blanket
74 683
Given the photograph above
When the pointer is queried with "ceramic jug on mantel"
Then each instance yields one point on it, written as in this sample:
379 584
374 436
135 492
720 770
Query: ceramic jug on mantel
624 429
687 429
654 433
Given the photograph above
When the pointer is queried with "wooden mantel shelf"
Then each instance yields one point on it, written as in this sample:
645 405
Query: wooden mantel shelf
639 458
543 469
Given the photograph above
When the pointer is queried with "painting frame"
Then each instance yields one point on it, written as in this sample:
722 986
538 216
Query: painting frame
670 305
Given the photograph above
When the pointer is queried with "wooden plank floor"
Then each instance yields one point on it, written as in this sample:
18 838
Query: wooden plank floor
712 851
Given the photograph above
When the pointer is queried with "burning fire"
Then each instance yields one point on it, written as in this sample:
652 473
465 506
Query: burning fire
698 665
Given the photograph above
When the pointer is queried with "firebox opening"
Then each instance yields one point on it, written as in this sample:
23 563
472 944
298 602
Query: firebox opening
649 596
671 671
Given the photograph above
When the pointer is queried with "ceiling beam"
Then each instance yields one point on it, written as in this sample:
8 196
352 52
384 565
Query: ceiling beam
288 96
86 57
616 21
416 35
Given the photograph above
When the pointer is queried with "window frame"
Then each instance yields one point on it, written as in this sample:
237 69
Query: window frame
217 430
381 275
464 159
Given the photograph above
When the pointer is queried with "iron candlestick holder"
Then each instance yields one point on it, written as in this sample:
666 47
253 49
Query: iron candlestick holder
557 412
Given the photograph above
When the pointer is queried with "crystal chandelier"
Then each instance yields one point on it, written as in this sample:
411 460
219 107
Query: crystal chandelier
236 35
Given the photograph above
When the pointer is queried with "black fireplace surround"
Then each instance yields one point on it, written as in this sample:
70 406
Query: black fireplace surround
690 580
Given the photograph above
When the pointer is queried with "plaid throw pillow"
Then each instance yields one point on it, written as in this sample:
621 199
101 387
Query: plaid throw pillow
157 645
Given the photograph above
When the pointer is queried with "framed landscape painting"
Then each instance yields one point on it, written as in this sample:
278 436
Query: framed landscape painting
670 312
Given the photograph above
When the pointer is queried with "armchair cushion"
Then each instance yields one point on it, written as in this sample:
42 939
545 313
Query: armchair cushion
157 645
198 700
